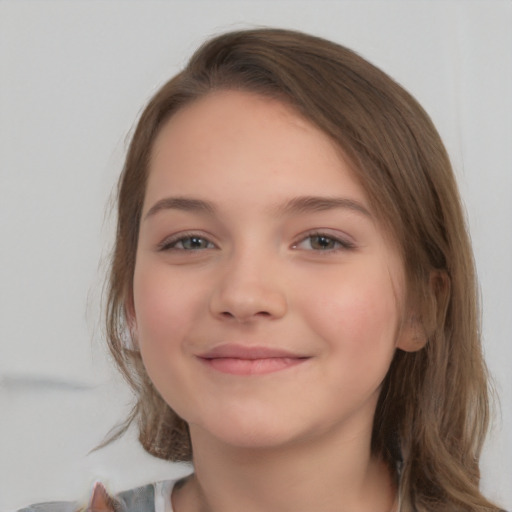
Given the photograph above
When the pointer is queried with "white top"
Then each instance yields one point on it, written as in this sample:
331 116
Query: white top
163 491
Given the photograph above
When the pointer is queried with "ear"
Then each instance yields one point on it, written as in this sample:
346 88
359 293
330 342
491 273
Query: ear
412 336
422 320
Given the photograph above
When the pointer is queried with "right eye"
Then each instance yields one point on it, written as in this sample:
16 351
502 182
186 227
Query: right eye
186 243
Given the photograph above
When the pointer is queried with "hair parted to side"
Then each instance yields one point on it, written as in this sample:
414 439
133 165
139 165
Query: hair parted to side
433 408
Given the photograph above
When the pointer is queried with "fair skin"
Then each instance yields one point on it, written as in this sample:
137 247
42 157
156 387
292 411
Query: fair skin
268 304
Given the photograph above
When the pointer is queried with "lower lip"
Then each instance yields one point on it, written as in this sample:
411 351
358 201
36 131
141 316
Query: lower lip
237 366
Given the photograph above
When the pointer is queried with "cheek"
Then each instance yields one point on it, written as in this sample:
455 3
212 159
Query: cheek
165 307
357 315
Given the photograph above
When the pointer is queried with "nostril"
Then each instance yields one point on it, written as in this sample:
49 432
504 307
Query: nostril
230 302
243 317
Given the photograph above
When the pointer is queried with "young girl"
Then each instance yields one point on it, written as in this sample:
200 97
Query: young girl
292 294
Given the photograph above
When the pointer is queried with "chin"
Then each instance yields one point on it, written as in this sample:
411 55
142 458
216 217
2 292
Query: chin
244 431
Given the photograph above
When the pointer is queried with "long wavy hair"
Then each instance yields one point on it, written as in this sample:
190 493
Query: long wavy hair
433 409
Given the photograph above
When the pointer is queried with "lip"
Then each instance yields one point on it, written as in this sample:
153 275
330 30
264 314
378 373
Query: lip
250 360
246 352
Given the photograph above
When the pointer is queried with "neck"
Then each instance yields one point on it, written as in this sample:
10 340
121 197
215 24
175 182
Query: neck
327 474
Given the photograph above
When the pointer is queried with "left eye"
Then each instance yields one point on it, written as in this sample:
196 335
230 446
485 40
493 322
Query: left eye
188 243
320 242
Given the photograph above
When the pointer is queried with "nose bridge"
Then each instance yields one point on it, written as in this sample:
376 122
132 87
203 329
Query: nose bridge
249 285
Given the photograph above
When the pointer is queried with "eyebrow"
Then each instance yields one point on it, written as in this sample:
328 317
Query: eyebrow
302 204
187 204
309 204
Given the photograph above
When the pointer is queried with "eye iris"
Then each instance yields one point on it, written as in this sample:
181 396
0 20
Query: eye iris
322 242
194 242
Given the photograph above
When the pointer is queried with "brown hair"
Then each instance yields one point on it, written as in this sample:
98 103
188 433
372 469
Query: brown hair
432 413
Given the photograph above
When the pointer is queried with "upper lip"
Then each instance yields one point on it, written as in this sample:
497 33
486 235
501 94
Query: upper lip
247 352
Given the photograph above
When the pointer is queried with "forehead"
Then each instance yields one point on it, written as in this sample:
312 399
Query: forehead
241 137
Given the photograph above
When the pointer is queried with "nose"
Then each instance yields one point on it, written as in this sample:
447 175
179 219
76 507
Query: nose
249 288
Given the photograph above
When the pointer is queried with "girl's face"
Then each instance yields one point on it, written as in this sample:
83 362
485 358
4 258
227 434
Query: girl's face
267 299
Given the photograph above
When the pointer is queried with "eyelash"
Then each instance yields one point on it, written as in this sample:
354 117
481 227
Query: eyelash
170 243
339 244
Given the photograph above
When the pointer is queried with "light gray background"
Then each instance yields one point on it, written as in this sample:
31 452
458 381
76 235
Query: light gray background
74 76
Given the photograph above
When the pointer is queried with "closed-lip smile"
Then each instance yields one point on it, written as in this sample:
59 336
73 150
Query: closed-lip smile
249 360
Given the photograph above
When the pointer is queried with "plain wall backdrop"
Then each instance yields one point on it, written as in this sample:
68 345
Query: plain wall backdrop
74 76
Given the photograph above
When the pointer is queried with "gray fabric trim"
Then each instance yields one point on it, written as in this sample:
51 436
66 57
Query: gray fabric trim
54 506
141 499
